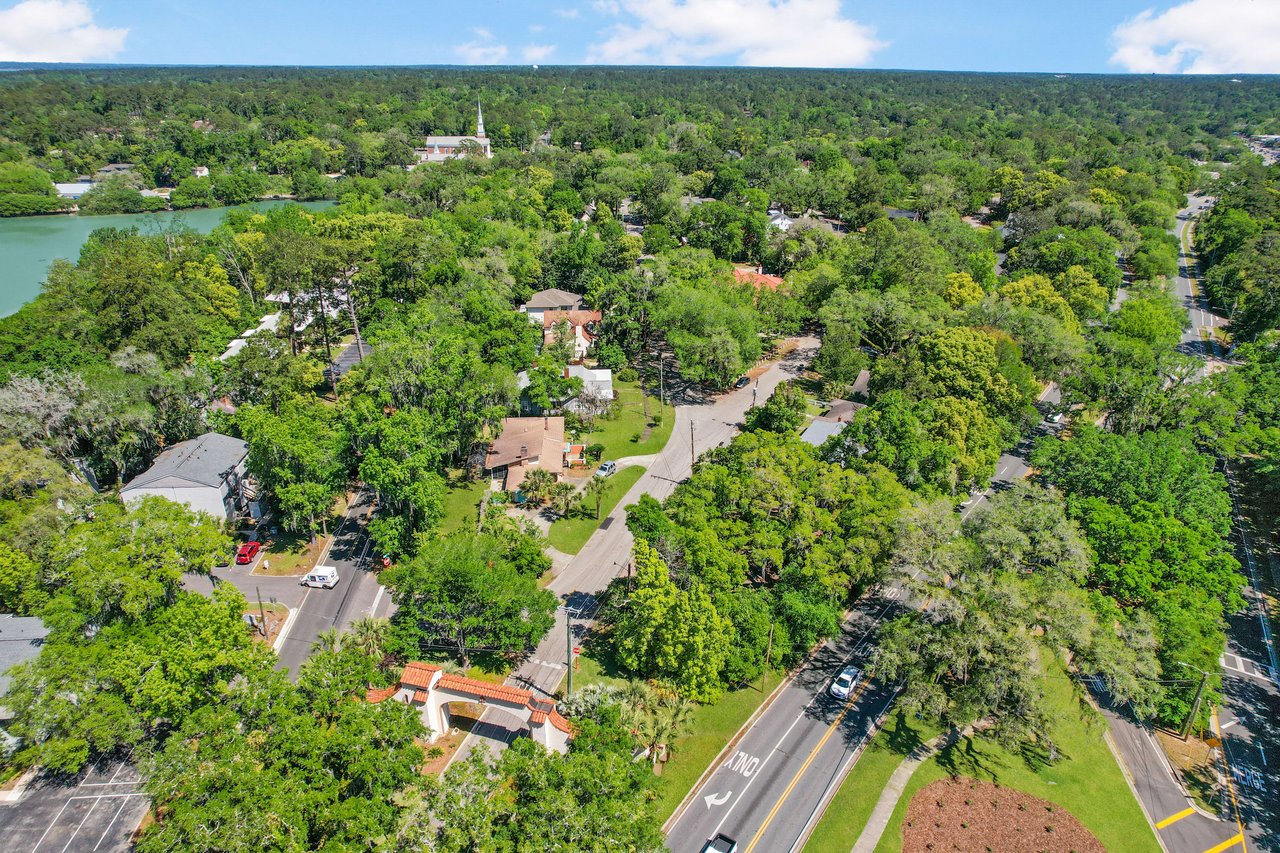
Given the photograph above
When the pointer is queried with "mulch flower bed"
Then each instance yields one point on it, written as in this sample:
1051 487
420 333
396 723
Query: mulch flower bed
978 817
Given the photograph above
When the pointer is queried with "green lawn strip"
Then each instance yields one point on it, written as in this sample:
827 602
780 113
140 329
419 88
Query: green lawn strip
713 726
849 810
568 535
462 506
1085 780
616 434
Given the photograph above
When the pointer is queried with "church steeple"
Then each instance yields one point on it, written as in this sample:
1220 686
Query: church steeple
479 122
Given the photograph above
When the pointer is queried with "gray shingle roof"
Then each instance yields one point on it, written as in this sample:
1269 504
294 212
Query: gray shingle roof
553 298
201 461
20 640
819 431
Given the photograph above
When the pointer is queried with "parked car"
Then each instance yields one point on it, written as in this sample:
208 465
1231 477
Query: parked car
845 682
607 469
743 382
246 552
322 577
720 844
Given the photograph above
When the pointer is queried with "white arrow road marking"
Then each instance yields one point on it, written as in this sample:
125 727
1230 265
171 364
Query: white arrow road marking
717 799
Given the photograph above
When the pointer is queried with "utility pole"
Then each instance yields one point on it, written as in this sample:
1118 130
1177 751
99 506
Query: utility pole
693 457
1195 703
662 387
261 613
568 635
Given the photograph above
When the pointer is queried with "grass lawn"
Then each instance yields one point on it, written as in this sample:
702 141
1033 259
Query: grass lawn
462 506
289 554
1085 779
853 803
568 535
616 434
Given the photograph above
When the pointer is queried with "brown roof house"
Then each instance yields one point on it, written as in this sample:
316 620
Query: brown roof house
581 324
525 444
551 299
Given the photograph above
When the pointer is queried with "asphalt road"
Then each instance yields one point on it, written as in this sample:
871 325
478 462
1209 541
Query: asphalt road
700 424
774 784
317 609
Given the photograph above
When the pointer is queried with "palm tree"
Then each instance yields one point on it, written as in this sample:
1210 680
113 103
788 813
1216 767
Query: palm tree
327 641
537 484
369 635
654 718
595 490
562 495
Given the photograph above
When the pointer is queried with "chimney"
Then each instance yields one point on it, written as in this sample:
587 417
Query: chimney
524 450
546 422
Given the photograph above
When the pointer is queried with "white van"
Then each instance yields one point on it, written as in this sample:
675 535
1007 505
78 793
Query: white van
324 577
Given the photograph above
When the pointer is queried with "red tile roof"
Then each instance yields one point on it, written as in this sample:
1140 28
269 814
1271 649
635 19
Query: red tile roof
420 696
560 722
417 674
756 279
484 689
373 695
575 318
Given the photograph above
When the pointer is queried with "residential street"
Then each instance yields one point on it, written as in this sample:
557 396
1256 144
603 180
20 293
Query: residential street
317 609
606 555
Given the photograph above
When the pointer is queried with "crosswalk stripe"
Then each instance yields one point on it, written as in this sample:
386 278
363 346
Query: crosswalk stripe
1174 818
1238 838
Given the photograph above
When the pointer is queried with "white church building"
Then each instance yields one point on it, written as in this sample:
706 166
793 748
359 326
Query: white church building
440 148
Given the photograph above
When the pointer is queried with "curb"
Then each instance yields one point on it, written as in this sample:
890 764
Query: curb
20 787
1128 778
720 756
284 630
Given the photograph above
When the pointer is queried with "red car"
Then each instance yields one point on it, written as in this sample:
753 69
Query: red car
246 552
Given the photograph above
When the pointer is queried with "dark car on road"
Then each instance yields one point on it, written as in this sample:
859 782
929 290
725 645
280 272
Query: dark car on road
246 553
743 382
720 844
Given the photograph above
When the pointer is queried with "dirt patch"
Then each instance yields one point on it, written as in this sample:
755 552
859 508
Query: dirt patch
276 615
976 817
462 717
1196 763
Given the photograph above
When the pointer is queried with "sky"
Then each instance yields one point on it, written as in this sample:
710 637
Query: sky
1074 36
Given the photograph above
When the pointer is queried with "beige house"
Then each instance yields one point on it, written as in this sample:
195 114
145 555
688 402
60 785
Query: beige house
525 444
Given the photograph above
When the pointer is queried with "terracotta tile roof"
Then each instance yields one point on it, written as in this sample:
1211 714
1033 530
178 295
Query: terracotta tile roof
484 689
418 674
420 696
538 717
560 722
575 318
373 695
756 279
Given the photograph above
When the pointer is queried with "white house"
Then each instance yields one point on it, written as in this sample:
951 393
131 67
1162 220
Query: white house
778 219
208 474
199 171
73 190
597 389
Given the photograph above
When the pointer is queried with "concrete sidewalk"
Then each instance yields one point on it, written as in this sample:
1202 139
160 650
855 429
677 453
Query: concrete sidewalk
880 815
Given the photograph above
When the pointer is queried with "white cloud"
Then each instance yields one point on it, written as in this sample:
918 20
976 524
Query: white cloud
569 13
810 33
56 31
1202 37
482 50
536 28
537 52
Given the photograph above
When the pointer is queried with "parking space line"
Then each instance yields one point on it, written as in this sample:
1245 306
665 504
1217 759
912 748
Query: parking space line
80 825
51 825
1238 838
1174 818
124 802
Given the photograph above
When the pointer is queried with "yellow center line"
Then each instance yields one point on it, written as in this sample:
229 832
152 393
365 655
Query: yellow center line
1235 804
1174 818
804 767
1238 838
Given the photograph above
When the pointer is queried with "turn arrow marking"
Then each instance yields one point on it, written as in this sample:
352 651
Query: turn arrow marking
718 799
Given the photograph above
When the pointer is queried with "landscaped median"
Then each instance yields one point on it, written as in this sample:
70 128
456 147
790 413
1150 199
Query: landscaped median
568 535
1083 778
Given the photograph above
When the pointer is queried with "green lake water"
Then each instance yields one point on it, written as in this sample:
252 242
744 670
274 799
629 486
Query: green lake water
29 244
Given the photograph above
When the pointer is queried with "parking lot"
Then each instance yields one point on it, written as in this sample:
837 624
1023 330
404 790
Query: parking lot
99 811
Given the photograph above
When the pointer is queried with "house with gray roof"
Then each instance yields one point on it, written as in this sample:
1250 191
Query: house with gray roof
551 299
207 473
21 638
832 422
